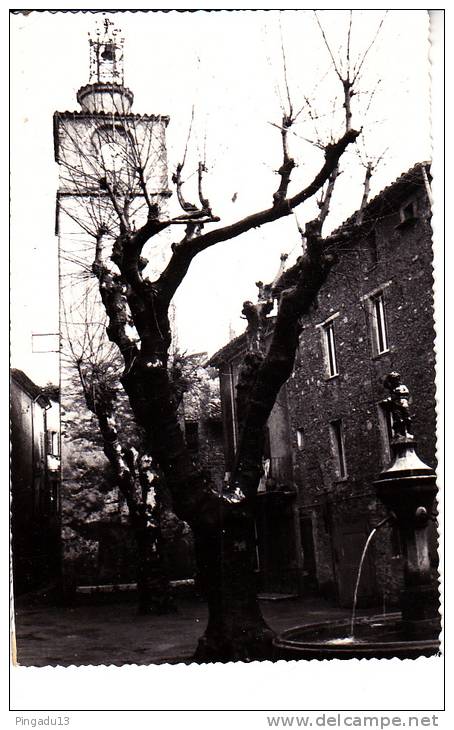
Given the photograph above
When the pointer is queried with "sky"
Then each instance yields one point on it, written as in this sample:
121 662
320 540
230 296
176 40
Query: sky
229 68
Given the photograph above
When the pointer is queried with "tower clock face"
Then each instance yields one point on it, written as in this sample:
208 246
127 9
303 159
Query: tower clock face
113 153
112 157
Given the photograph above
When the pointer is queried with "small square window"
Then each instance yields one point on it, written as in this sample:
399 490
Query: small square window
408 215
409 211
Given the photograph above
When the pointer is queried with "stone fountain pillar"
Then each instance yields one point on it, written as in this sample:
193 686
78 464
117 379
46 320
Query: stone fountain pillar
408 488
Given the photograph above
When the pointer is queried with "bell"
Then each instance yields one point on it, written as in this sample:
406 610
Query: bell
108 53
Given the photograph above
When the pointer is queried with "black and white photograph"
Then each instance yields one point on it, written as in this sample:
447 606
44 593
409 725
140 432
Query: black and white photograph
225 383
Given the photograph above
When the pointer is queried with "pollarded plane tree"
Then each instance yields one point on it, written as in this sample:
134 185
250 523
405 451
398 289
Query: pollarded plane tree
126 219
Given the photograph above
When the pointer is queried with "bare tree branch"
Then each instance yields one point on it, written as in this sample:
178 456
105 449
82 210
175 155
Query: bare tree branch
182 256
357 69
328 47
284 64
326 200
288 162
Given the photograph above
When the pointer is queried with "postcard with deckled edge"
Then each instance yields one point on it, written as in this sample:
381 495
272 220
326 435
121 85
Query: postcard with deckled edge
225 382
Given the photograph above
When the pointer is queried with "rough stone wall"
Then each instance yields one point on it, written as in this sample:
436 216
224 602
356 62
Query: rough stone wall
396 259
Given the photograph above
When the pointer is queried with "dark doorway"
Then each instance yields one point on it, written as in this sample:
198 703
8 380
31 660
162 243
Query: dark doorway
276 543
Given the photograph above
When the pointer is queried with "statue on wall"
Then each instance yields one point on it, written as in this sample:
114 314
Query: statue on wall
399 405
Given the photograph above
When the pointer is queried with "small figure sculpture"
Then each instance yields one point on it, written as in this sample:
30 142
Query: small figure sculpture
399 406
265 294
256 315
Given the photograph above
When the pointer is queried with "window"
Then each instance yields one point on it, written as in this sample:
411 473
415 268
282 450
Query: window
329 342
337 440
378 320
300 439
409 211
53 445
408 215
375 307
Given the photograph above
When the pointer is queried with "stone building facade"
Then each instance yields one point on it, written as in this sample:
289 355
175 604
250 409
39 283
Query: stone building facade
35 484
373 315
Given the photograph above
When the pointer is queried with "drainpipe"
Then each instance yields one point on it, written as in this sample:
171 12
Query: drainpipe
233 409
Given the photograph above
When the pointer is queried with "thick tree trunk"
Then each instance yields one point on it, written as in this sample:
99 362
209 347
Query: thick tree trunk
153 587
223 528
236 630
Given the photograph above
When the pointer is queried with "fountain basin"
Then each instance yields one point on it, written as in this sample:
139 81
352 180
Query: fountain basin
376 637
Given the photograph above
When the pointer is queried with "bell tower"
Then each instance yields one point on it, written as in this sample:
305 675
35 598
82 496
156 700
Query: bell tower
106 91
104 121
109 159
106 139
106 55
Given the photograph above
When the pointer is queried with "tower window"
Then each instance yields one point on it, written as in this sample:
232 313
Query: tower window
337 441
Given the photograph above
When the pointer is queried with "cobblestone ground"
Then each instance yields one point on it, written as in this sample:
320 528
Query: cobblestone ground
116 634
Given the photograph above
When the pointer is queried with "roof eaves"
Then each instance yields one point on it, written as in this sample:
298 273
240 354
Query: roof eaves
389 195
26 383
102 115
228 352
